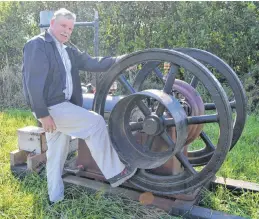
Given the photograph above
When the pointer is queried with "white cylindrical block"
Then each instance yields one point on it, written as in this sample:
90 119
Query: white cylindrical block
45 17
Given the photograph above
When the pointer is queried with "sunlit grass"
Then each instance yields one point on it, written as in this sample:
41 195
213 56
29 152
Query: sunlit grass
242 163
27 198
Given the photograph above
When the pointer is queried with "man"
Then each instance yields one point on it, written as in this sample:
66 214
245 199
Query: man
53 89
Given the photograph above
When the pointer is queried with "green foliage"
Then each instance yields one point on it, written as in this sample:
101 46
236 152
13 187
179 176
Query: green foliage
228 29
252 88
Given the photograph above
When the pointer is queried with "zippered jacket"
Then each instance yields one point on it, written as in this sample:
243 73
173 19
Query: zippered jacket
44 74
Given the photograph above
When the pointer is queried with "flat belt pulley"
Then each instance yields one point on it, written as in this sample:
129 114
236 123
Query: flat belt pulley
125 143
190 178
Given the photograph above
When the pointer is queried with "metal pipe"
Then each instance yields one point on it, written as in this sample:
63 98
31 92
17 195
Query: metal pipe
96 43
211 106
192 120
86 23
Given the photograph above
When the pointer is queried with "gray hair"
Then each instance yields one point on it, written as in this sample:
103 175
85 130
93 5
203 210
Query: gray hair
62 12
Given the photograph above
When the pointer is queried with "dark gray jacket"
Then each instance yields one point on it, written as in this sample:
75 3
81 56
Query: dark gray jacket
44 75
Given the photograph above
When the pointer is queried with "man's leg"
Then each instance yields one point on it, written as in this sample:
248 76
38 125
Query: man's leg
58 147
103 153
79 122
107 155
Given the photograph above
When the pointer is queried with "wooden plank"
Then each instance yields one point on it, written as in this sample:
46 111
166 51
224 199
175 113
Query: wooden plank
234 184
33 162
150 199
99 186
18 157
44 146
184 209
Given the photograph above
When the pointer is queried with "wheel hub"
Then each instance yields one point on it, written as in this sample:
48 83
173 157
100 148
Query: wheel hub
153 125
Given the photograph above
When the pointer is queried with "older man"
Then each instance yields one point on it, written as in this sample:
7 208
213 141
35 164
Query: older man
52 88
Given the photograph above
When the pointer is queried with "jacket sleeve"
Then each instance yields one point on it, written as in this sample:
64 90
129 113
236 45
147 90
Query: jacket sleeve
93 64
36 67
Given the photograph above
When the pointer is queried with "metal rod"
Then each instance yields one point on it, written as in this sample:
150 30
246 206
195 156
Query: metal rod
96 33
211 106
91 24
96 43
136 126
192 120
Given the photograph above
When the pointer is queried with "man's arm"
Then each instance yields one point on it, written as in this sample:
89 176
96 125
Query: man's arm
35 70
93 64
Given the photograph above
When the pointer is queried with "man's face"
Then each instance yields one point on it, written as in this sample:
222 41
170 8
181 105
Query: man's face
62 28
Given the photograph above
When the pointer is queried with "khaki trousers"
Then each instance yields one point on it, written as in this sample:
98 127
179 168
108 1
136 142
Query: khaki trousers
72 120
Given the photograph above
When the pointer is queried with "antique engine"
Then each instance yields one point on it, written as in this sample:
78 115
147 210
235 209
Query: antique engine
175 125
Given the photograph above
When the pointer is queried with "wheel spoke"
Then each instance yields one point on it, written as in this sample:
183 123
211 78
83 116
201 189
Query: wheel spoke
171 78
194 82
122 79
167 138
148 67
158 73
143 108
168 87
149 143
136 126
233 104
160 109
185 162
209 145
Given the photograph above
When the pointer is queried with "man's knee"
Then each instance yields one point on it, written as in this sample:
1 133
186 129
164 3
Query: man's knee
101 121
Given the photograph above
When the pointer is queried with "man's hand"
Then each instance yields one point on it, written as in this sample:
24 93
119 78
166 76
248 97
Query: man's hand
48 124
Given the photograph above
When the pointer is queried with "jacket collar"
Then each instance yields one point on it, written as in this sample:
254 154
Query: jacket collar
47 36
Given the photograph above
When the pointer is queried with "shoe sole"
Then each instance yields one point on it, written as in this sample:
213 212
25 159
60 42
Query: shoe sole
121 181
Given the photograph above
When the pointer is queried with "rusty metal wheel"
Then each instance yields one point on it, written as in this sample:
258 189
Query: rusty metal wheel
190 178
239 102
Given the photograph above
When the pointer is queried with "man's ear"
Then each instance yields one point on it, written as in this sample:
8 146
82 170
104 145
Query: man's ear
52 22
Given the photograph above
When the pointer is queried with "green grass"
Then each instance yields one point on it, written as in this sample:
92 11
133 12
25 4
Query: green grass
27 198
242 163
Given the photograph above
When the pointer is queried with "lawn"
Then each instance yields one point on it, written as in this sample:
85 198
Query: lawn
27 198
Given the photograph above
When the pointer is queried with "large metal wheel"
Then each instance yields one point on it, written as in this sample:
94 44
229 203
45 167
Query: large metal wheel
239 102
190 178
